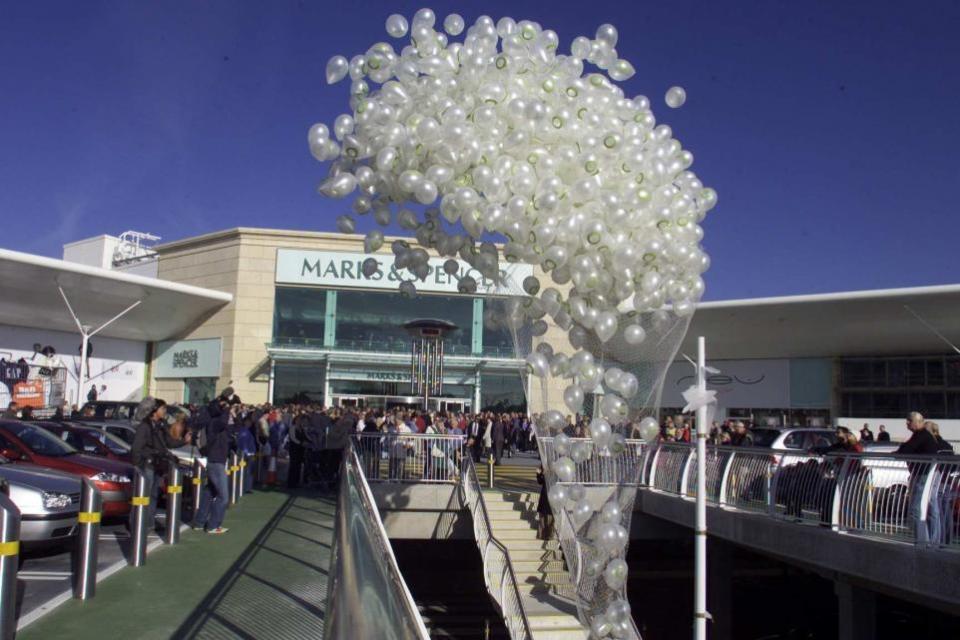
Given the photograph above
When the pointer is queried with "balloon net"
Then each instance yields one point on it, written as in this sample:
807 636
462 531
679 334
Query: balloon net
468 133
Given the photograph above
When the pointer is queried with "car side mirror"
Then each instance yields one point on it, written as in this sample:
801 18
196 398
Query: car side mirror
11 454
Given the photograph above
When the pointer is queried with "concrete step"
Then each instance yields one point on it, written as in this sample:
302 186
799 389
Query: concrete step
539 577
540 622
578 633
508 536
535 555
504 524
524 543
535 565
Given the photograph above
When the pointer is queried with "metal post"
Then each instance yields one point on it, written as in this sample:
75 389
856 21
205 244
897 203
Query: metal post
9 562
85 571
700 535
138 535
490 472
198 478
232 472
242 472
85 342
174 504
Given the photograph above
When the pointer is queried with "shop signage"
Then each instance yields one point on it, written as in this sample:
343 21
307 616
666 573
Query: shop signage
188 359
344 270
402 376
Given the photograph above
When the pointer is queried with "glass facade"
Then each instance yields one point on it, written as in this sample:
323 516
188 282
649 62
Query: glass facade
299 316
373 320
892 387
502 392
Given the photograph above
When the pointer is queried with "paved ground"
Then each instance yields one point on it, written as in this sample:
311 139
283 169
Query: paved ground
274 559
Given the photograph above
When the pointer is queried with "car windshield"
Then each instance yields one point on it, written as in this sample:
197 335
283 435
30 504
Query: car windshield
40 441
115 444
764 437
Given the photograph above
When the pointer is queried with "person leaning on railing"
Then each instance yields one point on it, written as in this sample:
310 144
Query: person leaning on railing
922 443
949 491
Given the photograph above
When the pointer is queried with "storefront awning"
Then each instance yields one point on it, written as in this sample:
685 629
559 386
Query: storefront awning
30 296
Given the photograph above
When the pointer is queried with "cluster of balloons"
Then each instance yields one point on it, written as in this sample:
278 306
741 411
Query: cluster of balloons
499 133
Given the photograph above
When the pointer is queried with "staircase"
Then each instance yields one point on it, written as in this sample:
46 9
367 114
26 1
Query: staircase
546 588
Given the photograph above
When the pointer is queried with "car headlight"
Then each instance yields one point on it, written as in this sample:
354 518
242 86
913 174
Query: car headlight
110 477
55 500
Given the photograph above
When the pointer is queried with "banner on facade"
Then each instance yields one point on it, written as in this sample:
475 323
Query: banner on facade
188 359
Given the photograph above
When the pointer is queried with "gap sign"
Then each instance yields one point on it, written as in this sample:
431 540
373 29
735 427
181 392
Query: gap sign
344 270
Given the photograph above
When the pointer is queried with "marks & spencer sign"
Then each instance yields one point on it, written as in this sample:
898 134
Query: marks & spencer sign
344 270
188 359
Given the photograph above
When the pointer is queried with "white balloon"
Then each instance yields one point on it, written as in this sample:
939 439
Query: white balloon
649 429
634 334
615 573
537 364
396 25
558 496
675 97
600 627
573 398
581 512
561 444
600 432
337 68
370 267
565 469
611 512
580 452
612 538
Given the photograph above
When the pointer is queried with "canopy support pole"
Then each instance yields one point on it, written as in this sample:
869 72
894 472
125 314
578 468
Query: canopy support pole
86 334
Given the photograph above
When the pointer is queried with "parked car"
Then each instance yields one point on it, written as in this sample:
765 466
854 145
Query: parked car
109 410
48 501
124 430
96 442
24 442
793 438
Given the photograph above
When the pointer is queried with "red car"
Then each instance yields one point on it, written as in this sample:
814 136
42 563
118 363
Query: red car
89 440
20 441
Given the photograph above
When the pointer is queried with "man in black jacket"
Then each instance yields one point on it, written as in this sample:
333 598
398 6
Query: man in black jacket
213 500
922 443
150 451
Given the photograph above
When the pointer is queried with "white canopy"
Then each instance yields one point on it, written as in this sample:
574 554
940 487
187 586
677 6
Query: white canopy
869 323
30 296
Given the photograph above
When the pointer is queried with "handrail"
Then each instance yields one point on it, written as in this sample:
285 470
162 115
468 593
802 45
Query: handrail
353 571
889 496
507 593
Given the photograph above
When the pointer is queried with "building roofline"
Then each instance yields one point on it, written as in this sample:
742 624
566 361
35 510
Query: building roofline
839 296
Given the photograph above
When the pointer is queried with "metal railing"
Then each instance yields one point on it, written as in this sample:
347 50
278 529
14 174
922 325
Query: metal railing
364 577
497 568
409 457
598 467
898 497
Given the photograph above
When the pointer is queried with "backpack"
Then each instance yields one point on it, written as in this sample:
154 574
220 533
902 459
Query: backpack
201 441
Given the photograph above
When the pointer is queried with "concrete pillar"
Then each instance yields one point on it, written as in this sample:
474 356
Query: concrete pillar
720 588
856 612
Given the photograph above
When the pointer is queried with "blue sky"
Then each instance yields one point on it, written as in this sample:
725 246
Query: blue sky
829 129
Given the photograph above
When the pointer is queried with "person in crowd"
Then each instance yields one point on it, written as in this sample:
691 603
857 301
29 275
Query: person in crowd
337 440
883 436
369 446
92 394
487 434
544 512
222 414
247 449
12 412
475 437
944 448
921 443
740 436
499 436
150 451
26 413
865 434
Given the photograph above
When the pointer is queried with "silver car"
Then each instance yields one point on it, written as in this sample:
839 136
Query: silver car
48 500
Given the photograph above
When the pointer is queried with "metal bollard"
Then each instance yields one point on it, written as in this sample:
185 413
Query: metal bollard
138 535
199 475
9 563
232 472
242 475
174 504
88 521
490 472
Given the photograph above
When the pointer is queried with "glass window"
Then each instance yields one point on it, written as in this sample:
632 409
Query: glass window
373 321
931 405
764 437
794 440
917 373
300 383
40 441
502 392
898 372
953 372
855 373
298 316
934 373
889 404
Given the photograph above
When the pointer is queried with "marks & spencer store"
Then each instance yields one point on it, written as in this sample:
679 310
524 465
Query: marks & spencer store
307 325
